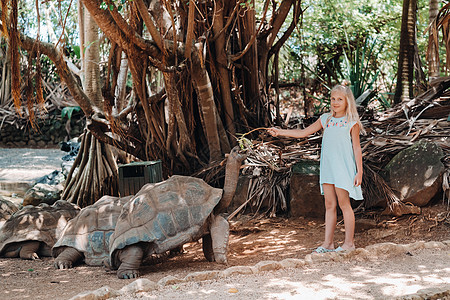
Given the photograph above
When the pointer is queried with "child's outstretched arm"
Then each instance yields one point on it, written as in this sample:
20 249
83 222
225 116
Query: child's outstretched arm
358 154
296 133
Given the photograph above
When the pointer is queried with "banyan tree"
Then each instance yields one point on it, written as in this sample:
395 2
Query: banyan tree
215 61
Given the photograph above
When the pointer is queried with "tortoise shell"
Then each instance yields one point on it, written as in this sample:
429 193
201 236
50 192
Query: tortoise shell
166 214
90 230
42 223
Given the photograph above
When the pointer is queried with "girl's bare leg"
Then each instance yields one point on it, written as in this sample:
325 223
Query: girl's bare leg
330 215
349 219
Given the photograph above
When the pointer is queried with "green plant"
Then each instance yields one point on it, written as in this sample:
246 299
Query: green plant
358 68
68 111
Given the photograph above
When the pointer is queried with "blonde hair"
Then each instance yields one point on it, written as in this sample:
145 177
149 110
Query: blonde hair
351 112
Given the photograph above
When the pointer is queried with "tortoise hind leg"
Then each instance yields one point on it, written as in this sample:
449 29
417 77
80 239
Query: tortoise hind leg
220 231
130 259
67 258
207 247
29 250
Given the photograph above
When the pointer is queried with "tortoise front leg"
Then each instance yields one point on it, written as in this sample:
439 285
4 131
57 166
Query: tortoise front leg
130 259
67 258
220 231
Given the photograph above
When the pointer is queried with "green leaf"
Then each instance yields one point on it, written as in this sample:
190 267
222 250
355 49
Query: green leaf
111 7
76 50
68 110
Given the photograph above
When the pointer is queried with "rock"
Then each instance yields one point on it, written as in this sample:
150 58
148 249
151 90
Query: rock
306 199
292 263
43 193
54 178
139 285
364 224
169 280
66 166
102 293
416 173
400 209
7 208
201 276
236 270
267 266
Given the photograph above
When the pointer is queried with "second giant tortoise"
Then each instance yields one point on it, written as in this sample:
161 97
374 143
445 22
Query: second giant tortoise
162 216
86 237
33 230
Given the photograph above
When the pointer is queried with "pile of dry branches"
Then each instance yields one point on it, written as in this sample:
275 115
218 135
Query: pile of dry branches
270 159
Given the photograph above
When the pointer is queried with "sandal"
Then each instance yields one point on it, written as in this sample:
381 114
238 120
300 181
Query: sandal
321 249
340 249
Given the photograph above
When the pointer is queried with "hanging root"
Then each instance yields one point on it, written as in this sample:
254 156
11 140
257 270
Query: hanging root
93 174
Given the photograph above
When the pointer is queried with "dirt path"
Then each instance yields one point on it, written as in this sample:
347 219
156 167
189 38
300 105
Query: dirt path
256 241
425 272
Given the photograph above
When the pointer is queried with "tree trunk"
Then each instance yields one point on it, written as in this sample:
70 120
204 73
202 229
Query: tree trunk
6 76
222 65
203 87
433 58
405 73
96 168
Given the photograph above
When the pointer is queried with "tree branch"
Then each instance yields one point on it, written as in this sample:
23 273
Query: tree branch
64 72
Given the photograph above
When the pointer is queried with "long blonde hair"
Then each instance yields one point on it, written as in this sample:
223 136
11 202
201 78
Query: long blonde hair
351 112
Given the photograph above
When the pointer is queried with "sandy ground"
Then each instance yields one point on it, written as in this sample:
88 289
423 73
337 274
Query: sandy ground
353 279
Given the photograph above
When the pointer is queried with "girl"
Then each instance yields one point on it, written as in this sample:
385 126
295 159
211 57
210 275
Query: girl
341 168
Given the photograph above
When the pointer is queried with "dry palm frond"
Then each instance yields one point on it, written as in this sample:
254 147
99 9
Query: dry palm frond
376 190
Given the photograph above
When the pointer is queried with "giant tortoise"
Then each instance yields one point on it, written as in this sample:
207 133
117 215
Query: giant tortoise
87 235
33 230
165 215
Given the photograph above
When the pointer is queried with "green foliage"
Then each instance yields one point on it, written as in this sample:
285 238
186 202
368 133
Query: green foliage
358 67
332 29
68 111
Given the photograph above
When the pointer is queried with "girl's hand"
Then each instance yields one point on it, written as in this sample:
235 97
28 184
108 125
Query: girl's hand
273 131
358 179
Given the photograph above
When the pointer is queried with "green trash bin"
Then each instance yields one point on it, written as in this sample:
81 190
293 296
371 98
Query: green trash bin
133 176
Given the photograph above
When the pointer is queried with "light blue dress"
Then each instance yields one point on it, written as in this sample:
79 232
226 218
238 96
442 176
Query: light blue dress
337 160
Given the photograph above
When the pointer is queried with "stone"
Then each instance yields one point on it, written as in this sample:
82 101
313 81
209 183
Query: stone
169 280
139 285
43 193
364 224
100 294
236 270
400 209
7 208
415 173
268 265
292 263
306 199
200 276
